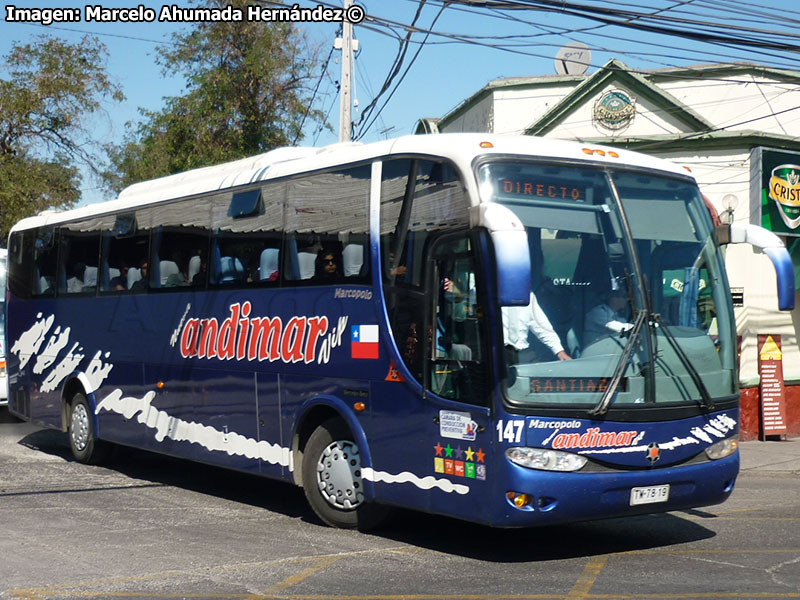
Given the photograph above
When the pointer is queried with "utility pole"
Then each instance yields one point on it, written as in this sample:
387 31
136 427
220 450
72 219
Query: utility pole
347 45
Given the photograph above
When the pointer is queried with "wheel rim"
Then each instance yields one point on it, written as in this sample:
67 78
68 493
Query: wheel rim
79 426
339 475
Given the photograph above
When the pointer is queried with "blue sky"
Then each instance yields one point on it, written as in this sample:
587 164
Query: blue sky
446 71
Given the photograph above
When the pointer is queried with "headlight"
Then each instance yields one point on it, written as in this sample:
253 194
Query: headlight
546 460
722 449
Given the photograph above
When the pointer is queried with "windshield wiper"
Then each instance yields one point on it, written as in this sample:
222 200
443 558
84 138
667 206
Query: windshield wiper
622 365
687 364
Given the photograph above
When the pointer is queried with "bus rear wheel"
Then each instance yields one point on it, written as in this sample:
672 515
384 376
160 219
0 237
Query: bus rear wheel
332 479
85 447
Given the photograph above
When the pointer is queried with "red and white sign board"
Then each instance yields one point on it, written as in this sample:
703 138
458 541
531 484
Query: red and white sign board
773 395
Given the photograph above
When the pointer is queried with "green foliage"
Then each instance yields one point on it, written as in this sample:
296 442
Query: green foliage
28 186
51 89
246 84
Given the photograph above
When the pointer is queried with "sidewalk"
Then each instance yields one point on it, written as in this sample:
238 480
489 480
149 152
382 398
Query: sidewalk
781 455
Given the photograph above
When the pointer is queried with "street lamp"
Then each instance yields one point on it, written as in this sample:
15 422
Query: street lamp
729 203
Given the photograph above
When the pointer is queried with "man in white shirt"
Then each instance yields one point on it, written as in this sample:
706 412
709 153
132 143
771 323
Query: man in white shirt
519 320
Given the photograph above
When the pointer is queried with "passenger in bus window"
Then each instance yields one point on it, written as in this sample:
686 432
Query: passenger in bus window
328 267
198 269
141 284
75 283
181 278
120 282
606 318
518 321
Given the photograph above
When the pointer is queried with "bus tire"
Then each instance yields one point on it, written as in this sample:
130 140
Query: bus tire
332 479
85 447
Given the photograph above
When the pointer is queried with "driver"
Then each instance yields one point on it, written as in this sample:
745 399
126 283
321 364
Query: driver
606 318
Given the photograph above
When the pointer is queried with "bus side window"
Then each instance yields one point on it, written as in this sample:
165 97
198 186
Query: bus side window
125 252
415 195
20 264
180 257
247 235
78 258
327 227
45 253
456 367
244 259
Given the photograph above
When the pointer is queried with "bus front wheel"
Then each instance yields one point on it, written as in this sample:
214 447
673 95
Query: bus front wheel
82 442
332 479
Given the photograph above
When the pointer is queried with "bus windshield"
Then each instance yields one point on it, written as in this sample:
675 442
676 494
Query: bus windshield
625 280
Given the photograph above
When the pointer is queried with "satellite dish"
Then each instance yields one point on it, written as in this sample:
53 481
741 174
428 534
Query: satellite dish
573 59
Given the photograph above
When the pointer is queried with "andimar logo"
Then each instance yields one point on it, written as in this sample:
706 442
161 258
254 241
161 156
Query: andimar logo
784 189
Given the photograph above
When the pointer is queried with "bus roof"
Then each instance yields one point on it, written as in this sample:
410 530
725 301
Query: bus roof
461 148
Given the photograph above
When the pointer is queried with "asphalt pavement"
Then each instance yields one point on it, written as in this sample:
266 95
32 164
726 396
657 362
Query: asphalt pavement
148 527
773 455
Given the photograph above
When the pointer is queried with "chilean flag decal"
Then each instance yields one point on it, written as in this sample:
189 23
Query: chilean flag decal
364 341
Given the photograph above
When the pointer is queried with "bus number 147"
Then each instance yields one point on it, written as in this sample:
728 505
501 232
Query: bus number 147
511 432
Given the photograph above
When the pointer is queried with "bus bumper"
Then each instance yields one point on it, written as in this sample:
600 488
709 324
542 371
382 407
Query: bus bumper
552 498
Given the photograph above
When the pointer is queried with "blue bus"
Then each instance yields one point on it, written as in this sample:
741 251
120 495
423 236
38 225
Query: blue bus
507 330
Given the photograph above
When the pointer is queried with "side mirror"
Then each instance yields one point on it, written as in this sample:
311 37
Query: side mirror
773 247
512 257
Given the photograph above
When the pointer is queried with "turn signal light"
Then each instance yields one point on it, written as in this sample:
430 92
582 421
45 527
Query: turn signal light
486 145
519 499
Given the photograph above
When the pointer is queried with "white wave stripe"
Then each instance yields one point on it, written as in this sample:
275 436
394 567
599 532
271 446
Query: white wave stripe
62 370
621 450
724 422
97 371
31 340
167 426
57 342
424 483
676 442
701 434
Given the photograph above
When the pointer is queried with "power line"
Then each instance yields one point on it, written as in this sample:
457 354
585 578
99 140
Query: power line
97 33
313 96
695 134
408 68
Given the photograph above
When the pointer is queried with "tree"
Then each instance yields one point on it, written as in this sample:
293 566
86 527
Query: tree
246 94
52 88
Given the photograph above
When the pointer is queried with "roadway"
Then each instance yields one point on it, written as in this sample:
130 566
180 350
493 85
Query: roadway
150 527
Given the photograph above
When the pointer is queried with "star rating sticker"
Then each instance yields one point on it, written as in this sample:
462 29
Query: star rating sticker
470 453
438 448
480 455
459 452
448 451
